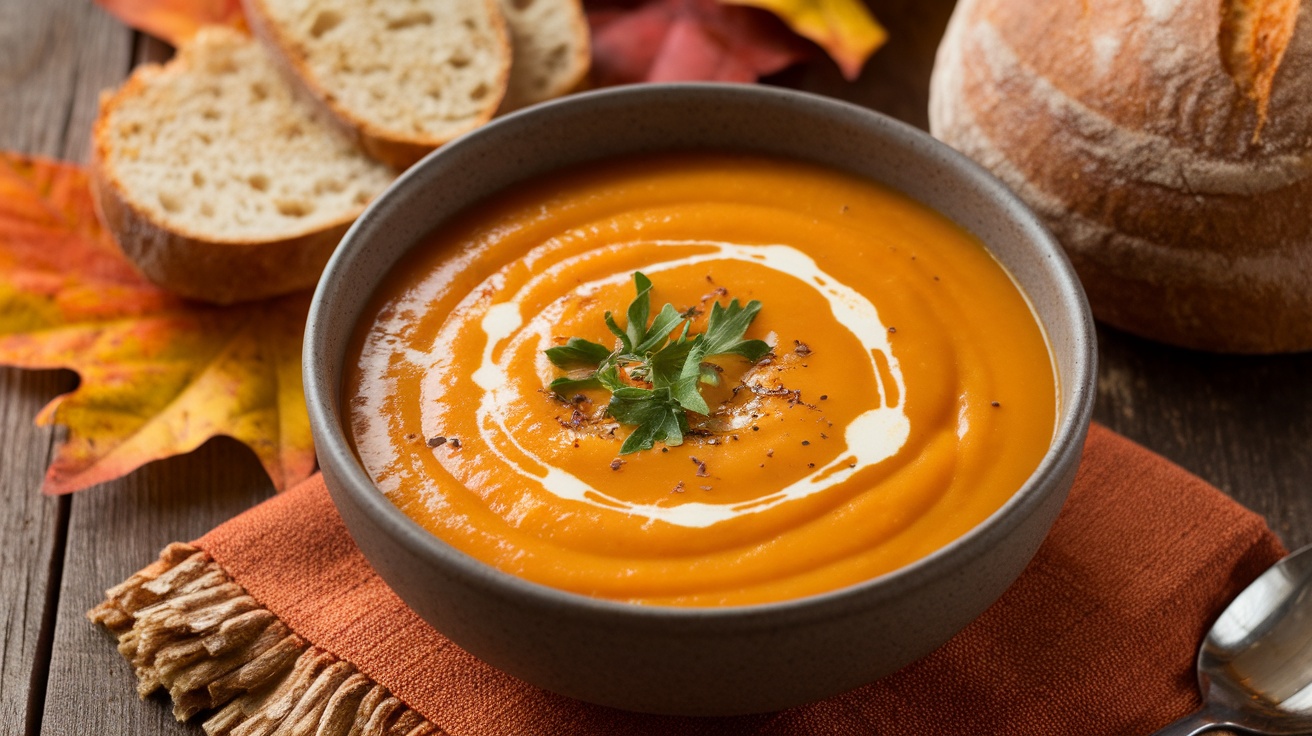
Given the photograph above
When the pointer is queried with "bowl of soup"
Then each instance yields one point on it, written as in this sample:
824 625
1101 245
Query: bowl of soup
698 399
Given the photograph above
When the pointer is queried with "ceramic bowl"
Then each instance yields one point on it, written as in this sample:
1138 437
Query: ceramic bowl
697 661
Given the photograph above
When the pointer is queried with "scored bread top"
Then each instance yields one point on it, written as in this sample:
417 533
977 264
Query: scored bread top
216 146
551 50
1222 79
1164 143
405 76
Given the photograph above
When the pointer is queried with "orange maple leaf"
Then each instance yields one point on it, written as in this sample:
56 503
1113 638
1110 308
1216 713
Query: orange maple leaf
845 29
175 21
159 375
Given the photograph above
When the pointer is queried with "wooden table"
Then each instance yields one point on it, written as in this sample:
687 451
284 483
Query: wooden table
1244 424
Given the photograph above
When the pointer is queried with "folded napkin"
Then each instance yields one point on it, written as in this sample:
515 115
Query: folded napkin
274 623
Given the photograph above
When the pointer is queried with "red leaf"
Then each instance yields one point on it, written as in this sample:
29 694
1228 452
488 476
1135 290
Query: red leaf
843 28
688 40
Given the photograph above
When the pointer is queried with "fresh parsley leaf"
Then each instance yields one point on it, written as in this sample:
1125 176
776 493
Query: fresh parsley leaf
565 385
674 368
637 338
578 353
659 331
665 365
609 377
685 388
724 336
625 341
686 393
725 328
639 309
657 416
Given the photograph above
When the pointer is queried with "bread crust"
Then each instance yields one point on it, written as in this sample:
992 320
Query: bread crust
1180 197
190 263
397 150
209 270
581 62
576 67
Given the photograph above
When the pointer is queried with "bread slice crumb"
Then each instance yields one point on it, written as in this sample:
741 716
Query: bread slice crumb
221 183
406 76
551 46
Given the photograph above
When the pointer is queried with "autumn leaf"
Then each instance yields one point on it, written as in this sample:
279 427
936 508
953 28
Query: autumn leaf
175 21
688 40
634 40
845 29
159 375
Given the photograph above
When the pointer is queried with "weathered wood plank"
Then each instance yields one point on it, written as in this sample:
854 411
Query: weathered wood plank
1243 423
54 57
30 529
114 530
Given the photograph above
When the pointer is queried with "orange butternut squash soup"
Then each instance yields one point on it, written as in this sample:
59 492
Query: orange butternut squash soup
700 380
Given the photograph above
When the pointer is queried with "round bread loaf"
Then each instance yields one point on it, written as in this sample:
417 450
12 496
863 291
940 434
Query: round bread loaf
1166 143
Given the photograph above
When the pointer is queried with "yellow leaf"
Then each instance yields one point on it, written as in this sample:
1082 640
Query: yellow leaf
159 375
845 29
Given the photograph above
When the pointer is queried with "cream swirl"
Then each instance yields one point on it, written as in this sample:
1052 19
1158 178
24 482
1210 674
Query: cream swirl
871 437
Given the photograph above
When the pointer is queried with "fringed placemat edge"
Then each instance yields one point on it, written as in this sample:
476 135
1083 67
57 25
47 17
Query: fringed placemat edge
186 626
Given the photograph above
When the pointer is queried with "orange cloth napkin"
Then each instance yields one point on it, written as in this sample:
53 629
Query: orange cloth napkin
1098 635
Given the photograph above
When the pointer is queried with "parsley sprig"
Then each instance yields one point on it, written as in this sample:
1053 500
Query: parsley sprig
674 368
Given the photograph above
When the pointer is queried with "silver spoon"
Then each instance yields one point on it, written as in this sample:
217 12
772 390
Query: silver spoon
1255 666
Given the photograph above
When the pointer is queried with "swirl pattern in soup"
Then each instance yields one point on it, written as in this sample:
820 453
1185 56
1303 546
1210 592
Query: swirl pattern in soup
909 394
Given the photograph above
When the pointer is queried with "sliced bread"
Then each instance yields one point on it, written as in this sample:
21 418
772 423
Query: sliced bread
406 76
551 50
218 181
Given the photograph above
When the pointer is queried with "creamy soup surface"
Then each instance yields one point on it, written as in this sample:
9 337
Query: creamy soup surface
909 392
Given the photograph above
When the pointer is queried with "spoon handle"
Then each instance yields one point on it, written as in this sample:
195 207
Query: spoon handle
1194 723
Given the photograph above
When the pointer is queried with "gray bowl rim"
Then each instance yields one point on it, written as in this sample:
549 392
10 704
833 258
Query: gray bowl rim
1067 444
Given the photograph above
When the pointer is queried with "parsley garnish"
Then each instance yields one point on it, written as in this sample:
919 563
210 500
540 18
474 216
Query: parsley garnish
674 368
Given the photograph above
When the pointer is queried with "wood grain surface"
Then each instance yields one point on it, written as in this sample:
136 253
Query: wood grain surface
59 674
1244 424
54 58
